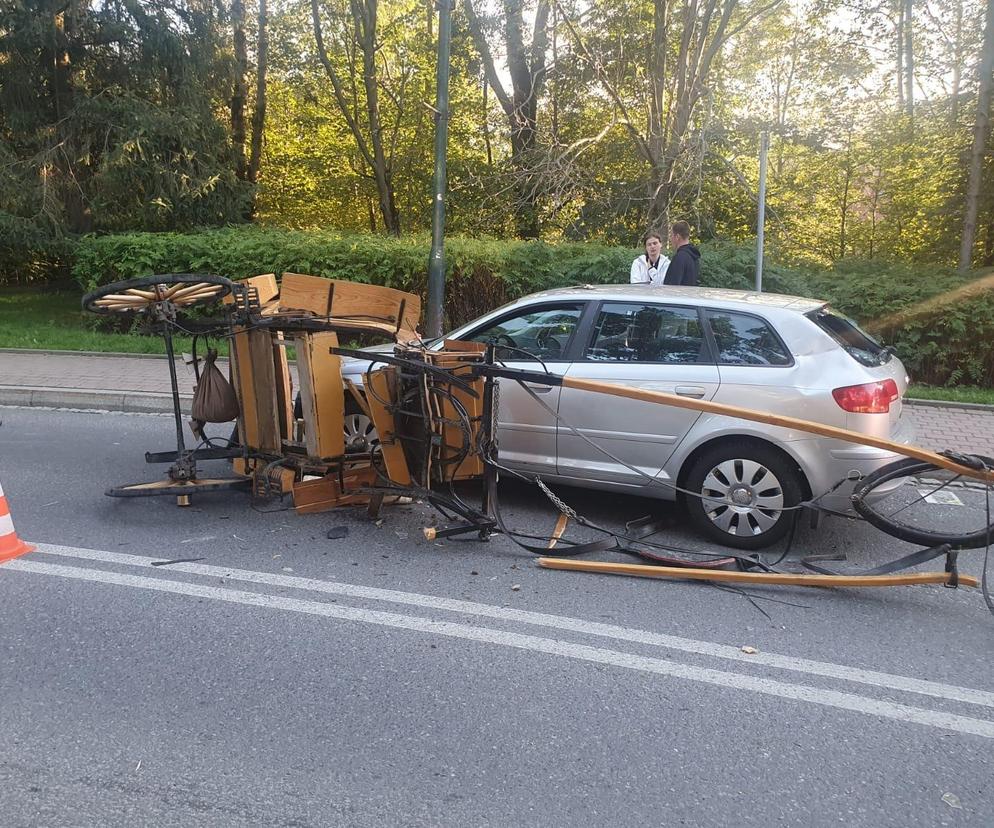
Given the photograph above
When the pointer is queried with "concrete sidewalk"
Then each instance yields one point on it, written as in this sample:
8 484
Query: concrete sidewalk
140 383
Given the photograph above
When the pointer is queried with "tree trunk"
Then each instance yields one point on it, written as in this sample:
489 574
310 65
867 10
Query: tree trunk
957 61
988 258
656 65
909 60
259 114
364 12
371 150
527 72
845 199
981 132
239 89
58 60
899 73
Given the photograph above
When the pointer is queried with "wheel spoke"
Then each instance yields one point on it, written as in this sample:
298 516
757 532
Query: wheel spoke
727 472
752 472
714 484
769 502
723 519
762 520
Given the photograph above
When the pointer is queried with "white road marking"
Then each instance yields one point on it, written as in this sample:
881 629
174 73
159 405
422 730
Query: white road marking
688 645
944 498
486 635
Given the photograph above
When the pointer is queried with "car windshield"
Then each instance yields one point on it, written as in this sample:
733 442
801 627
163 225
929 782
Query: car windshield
854 340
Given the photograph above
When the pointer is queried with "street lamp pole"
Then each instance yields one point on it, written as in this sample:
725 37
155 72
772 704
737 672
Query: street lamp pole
764 148
436 259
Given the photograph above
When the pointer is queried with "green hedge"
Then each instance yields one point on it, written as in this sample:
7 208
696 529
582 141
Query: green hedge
953 345
480 274
942 339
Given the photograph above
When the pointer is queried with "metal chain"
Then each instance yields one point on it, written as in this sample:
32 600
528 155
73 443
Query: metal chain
566 510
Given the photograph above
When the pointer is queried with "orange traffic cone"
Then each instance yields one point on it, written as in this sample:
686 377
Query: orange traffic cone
10 545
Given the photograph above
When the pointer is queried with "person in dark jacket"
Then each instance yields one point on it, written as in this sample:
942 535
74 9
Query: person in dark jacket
685 266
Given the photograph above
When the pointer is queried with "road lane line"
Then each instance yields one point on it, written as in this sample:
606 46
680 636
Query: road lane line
566 649
841 672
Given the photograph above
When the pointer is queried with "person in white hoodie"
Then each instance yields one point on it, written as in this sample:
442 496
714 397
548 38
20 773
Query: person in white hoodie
650 269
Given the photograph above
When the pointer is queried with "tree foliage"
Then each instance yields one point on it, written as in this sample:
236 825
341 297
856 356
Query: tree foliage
569 120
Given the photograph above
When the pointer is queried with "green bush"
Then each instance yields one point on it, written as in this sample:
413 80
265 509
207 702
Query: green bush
942 338
954 344
480 274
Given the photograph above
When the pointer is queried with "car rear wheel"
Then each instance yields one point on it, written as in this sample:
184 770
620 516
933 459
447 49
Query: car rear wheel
360 433
741 495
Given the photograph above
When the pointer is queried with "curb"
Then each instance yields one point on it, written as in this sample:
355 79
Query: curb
949 404
110 354
126 402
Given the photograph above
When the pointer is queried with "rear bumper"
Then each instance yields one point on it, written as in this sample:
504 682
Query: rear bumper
851 462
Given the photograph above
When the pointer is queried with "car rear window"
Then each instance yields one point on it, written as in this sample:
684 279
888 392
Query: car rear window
854 340
746 340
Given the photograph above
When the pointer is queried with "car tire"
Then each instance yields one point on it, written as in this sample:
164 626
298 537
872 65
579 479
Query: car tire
762 482
360 433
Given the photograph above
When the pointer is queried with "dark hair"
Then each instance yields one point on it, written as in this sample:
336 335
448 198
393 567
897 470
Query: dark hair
652 234
681 229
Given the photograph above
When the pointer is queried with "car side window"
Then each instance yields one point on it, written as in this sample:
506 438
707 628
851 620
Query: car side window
541 333
636 332
746 340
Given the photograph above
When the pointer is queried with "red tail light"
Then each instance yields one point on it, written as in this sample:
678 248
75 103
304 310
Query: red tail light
871 398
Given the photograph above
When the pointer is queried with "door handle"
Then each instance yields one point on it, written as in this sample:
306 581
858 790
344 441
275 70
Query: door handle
695 391
538 389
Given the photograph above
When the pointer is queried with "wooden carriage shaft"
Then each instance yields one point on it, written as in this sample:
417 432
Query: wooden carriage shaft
730 576
662 398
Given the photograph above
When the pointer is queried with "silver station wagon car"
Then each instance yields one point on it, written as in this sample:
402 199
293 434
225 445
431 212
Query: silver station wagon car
779 354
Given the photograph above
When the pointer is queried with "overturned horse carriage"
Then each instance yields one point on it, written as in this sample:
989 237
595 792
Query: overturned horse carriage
435 410
292 440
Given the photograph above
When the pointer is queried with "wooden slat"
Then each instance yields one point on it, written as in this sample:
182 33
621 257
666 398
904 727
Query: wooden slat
255 383
322 394
284 387
821 429
382 385
557 533
776 578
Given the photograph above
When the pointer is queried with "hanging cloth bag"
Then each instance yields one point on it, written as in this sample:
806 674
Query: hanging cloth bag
214 399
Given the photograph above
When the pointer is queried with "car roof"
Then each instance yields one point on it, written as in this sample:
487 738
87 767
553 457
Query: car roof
704 296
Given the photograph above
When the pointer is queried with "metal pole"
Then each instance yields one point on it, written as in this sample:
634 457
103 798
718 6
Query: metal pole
764 147
436 259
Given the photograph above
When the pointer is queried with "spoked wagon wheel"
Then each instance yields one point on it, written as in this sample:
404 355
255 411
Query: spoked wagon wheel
181 290
160 298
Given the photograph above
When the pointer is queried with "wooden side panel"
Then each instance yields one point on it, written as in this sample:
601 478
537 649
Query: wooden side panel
374 306
322 394
306 293
382 385
255 383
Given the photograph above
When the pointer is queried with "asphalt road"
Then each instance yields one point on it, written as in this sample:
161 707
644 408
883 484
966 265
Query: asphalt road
284 678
